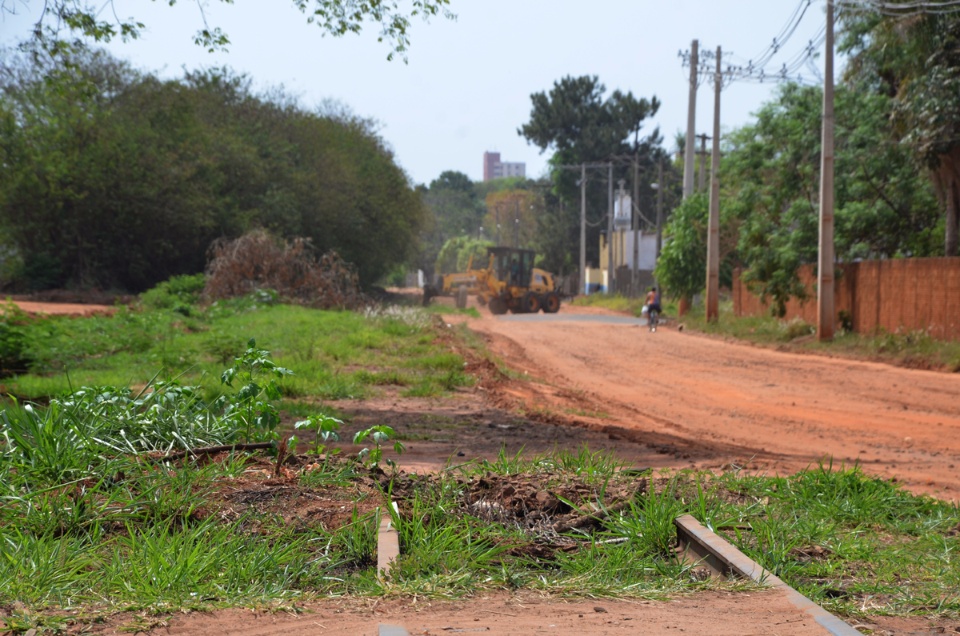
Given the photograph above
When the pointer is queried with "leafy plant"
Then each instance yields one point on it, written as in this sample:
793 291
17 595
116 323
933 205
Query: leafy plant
259 416
379 434
326 429
796 328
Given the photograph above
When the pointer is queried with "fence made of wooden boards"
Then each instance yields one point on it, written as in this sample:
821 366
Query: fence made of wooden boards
903 295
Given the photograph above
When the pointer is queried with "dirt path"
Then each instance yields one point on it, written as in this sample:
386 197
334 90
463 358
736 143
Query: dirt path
711 403
63 309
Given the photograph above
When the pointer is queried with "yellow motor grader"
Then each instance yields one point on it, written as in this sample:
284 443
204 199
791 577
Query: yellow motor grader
511 283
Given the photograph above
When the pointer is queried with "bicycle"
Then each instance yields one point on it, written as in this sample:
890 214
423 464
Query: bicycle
653 318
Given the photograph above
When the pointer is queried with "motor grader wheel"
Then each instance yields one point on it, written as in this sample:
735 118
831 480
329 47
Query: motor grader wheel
530 303
551 303
497 307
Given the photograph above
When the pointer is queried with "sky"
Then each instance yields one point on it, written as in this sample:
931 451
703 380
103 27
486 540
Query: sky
466 85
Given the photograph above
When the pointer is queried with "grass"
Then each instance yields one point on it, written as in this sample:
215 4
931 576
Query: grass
330 352
88 516
614 302
916 349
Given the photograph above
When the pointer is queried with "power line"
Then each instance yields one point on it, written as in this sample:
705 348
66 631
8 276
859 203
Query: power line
756 69
903 9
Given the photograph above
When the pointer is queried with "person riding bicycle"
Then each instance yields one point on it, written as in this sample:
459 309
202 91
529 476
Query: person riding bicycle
653 300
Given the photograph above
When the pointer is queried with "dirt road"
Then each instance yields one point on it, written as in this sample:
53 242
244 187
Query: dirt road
711 403
63 309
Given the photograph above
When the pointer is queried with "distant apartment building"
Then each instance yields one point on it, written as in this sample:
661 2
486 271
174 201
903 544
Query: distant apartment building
493 168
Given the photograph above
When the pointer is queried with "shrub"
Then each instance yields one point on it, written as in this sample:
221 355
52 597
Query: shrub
796 328
13 351
175 293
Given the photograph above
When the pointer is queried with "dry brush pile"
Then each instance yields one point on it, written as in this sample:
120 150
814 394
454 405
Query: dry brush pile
259 261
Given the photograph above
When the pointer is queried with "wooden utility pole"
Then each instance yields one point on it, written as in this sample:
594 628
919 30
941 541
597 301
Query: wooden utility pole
659 208
621 234
713 225
583 227
702 156
635 219
610 228
826 317
691 121
516 222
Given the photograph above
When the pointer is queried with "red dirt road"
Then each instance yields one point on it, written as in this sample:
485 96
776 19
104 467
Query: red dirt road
710 403
63 309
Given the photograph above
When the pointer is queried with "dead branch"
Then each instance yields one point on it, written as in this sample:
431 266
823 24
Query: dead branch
212 450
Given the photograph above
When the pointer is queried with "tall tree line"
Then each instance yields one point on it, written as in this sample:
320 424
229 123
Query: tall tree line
581 123
115 178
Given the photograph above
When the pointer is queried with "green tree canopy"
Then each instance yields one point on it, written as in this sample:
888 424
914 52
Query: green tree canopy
914 58
333 17
580 124
576 121
769 201
454 210
883 208
114 178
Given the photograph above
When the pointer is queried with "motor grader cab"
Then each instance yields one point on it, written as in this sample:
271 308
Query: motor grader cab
512 283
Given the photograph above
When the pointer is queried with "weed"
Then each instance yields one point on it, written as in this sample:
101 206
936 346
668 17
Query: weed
326 429
378 434
259 416
796 328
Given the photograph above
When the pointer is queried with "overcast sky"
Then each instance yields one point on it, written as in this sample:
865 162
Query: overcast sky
467 84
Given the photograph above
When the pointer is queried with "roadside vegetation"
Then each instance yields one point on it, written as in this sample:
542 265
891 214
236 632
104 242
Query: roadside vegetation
913 349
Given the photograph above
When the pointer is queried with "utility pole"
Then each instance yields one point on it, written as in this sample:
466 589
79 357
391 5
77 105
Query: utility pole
497 208
825 292
583 227
659 208
609 227
691 121
702 155
516 223
635 218
622 249
713 225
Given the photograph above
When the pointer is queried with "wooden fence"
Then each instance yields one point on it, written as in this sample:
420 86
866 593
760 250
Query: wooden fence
893 295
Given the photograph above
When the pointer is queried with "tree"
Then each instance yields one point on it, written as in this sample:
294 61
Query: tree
455 205
511 217
770 197
771 176
454 209
915 59
334 17
114 178
577 122
682 266
457 253
581 125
